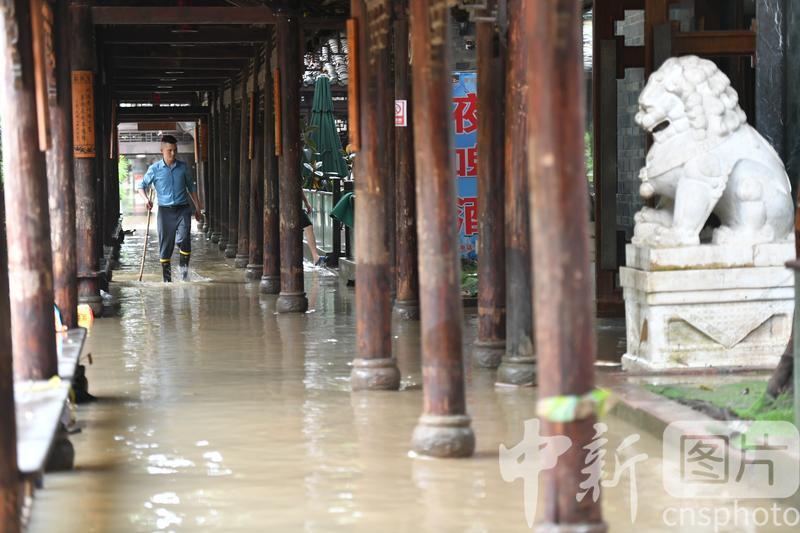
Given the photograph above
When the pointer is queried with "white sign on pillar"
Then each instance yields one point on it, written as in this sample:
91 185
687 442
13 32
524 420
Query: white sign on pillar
400 113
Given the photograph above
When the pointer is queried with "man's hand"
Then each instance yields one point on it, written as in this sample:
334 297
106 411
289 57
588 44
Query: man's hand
149 205
198 216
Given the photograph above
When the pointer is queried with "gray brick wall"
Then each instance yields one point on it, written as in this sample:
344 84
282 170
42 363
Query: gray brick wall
631 140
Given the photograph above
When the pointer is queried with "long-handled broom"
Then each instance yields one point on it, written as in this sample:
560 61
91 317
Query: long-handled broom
146 235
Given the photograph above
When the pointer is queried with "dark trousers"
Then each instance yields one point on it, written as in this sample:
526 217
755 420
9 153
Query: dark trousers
174 226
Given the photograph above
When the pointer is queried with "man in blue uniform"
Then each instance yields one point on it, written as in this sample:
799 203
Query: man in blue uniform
175 186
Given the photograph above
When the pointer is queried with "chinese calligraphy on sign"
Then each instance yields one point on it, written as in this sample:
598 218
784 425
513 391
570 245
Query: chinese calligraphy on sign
465 129
83 114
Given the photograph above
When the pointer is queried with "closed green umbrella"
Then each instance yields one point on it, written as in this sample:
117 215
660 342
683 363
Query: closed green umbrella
324 133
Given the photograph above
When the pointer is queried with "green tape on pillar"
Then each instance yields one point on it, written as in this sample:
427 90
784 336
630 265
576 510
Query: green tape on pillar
571 408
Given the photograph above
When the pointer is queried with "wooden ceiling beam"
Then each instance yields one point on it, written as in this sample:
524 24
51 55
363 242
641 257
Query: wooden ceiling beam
197 52
161 75
174 35
196 15
194 67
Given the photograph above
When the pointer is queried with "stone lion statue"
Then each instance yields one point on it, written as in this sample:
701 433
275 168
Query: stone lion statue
706 158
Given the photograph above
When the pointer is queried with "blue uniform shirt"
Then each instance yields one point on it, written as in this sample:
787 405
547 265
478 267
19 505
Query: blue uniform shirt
173 183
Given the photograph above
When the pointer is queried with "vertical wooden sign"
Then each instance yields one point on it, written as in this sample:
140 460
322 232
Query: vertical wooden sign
113 147
353 89
83 114
202 140
40 68
276 79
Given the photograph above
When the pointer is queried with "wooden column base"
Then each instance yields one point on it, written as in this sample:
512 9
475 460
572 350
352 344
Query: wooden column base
517 371
270 284
292 302
488 354
253 271
375 374
241 260
443 436
406 309
571 528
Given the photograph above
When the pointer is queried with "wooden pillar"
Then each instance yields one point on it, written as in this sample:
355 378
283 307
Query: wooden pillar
85 152
219 182
444 427
30 266
255 265
211 171
271 276
60 174
491 341
406 303
234 166
226 115
9 473
374 368
243 243
558 209
292 298
519 363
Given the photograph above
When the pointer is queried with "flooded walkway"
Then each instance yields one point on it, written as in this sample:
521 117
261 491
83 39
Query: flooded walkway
217 414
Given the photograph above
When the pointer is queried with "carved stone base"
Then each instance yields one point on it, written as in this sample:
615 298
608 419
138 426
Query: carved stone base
549 527
375 374
488 354
253 272
406 309
230 250
215 236
292 302
95 302
241 261
683 310
443 436
223 243
270 284
517 371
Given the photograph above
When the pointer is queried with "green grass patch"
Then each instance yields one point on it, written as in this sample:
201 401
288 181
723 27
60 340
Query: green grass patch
748 400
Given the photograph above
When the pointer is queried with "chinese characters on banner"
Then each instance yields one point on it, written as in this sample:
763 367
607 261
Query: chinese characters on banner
465 121
83 114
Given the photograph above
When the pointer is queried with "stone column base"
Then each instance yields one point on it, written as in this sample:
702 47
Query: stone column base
406 309
270 284
253 272
230 250
443 436
215 236
375 374
488 354
517 371
292 302
241 261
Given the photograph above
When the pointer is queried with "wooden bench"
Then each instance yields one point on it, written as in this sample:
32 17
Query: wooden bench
39 405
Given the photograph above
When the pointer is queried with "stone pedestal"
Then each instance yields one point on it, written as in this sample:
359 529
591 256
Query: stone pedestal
707 306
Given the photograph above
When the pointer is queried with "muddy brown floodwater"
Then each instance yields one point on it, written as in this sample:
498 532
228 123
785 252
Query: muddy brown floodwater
216 414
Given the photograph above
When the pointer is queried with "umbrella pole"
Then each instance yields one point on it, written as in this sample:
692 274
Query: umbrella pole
146 235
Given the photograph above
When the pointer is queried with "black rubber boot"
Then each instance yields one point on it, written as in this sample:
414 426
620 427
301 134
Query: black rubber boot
166 270
184 266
